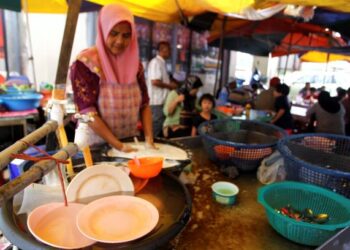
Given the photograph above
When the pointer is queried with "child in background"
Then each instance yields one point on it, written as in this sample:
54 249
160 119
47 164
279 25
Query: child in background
283 118
207 103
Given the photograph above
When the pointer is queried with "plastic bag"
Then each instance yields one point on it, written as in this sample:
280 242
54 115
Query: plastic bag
272 169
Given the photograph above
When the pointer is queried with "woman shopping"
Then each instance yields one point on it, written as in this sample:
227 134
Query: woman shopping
108 82
328 114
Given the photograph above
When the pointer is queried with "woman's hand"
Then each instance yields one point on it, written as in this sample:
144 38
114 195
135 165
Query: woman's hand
151 146
127 148
149 143
174 103
180 98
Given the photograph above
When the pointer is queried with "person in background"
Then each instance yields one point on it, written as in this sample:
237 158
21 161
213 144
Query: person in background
346 105
179 108
283 118
222 94
320 89
207 104
305 92
108 82
266 100
177 78
329 114
256 78
240 95
158 84
341 94
255 91
311 97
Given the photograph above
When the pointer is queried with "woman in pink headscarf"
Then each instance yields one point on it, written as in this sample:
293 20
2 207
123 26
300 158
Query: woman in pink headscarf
108 82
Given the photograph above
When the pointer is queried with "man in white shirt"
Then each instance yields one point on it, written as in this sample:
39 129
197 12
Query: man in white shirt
158 84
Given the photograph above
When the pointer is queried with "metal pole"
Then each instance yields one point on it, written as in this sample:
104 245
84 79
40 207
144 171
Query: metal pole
326 70
32 138
288 52
30 58
173 48
67 41
36 172
216 87
225 67
5 44
150 47
189 55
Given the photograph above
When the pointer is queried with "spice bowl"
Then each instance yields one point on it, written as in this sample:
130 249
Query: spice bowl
148 167
224 192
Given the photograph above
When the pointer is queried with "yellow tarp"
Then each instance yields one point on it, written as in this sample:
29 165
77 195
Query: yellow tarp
316 56
44 6
167 10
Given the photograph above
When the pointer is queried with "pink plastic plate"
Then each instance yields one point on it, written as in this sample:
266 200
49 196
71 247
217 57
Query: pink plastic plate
99 181
117 219
55 225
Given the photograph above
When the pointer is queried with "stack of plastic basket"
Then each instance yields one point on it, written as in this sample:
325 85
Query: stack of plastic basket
320 159
240 143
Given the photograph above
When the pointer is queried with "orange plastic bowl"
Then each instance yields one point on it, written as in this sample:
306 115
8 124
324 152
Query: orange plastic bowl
150 167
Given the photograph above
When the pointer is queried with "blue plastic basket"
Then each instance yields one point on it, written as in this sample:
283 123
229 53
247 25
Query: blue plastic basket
21 101
239 142
320 159
302 196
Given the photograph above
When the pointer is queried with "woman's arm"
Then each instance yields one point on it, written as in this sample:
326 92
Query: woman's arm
194 131
100 128
311 111
278 115
173 104
146 119
86 88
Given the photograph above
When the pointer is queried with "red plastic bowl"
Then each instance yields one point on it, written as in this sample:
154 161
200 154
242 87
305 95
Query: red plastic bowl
150 167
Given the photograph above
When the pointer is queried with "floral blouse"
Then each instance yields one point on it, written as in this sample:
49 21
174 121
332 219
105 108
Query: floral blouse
86 87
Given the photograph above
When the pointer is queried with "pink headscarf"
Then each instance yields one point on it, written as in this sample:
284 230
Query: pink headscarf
121 68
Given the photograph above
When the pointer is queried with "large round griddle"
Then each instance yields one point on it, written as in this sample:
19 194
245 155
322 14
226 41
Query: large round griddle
166 192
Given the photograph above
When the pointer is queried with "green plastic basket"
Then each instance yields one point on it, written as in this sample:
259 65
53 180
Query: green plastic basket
301 196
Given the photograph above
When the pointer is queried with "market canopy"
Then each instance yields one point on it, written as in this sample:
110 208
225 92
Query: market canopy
261 41
278 35
168 10
336 21
43 6
323 57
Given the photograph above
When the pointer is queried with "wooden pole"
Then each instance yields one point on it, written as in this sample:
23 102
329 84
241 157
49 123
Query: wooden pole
36 172
32 138
66 50
67 42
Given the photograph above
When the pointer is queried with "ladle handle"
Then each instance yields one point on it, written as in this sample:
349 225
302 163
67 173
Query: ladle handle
137 161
